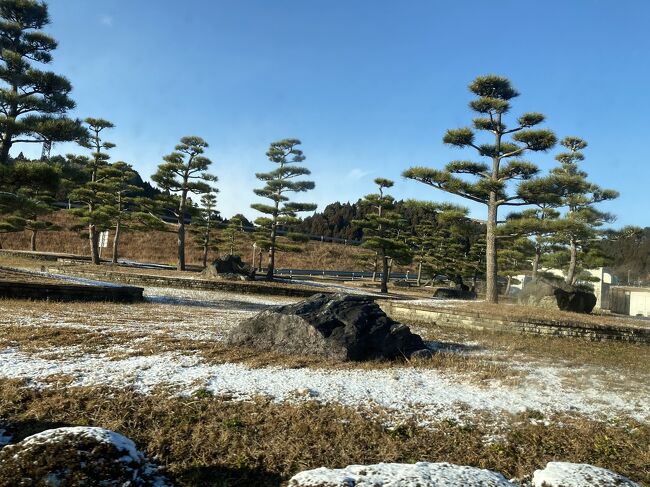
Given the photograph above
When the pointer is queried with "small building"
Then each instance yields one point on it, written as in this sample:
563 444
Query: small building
632 301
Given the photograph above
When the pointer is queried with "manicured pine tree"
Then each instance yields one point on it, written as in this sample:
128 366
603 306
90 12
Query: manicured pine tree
582 223
205 224
32 186
514 258
504 164
184 172
383 231
233 233
41 184
433 239
281 212
540 224
33 102
96 191
122 194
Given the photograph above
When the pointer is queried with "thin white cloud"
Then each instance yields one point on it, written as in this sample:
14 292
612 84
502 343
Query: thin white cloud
356 174
106 20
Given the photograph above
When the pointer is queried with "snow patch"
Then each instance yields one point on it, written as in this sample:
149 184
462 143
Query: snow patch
564 474
422 394
421 474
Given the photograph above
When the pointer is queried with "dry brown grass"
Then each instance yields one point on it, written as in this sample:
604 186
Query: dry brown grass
629 358
205 440
55 343
160 247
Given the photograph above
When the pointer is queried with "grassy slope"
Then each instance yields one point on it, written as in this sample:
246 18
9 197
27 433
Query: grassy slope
160 247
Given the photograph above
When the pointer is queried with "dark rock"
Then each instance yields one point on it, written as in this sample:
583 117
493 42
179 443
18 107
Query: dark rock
230 267
557 295
77 456
454 293
344 327
402 284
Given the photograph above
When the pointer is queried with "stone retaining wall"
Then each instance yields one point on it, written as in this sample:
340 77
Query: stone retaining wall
454 317
191 283
70 292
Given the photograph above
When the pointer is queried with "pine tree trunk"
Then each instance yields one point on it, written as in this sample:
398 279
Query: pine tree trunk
491 289
93 238
538 254
271 268
491 266
32 241
419 280
4 149
274 228
205 256
571 272
384 275
116 241
375 268
508 285
180 264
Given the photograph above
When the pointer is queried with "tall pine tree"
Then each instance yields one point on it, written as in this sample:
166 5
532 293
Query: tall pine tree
33 102
504 165
281 212
384 231
96 191
204 226
183 173
582 223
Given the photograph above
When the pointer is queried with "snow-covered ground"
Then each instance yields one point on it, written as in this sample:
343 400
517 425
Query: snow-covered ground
425 394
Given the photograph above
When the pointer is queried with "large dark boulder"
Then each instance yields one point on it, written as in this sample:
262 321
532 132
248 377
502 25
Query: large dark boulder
340 326
230 267
453 293
557 295
77 456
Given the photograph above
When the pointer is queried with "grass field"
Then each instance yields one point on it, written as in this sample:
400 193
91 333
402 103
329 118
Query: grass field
159 373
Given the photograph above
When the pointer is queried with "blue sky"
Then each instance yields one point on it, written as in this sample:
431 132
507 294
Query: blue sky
368 86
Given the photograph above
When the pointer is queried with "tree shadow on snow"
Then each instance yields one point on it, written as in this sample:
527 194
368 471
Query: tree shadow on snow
19 430
228 304
452 347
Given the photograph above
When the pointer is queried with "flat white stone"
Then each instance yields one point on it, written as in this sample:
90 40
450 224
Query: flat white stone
564 474
421 474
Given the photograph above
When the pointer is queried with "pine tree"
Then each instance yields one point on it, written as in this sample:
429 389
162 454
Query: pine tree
383 231
96 191
32 186
122 200
514 257
233 233
33 103
582 223
281 211
184 172
433 240
205 225
491 187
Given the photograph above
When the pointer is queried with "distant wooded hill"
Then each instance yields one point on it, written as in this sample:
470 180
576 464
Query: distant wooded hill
630 254
337 219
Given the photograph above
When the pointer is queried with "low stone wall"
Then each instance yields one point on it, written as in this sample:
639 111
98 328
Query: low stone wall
70 292
454 317
253 287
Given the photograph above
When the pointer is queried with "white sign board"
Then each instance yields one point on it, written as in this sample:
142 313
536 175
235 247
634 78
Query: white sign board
103 239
